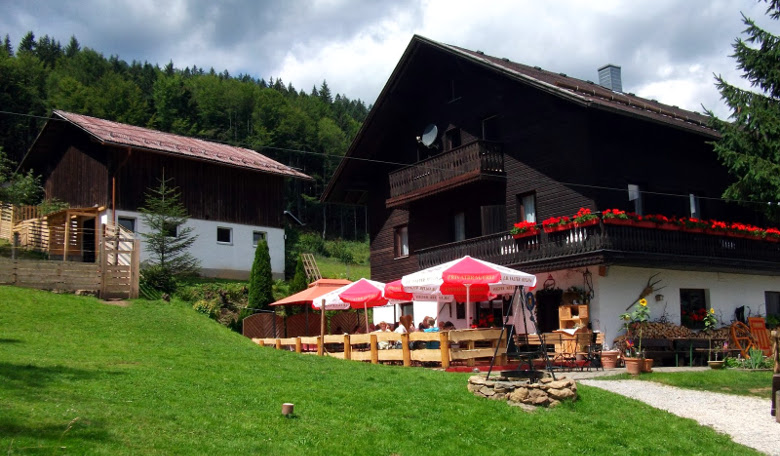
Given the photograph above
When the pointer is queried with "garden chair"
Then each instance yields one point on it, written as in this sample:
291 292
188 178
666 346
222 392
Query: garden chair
757 327
742 338
590 351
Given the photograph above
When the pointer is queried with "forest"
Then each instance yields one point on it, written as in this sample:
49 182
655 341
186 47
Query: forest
308 130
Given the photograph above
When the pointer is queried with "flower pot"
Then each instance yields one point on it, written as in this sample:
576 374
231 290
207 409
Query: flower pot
556 228
609 359
714 232
647 365
715 364
618 221
669 227
693 230
590 222
528 233
633 365
645 224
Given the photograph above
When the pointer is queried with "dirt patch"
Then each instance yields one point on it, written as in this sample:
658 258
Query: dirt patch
757 391
117 302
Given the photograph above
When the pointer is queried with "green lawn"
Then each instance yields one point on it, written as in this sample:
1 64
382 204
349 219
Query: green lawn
730 381
333 268
78 376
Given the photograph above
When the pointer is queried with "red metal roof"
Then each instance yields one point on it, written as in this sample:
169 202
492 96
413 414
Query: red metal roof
129 135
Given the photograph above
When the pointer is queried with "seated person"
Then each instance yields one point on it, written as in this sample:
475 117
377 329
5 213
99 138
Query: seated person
430 326
383 344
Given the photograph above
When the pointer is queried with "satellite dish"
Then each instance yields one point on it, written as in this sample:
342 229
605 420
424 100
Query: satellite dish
429 135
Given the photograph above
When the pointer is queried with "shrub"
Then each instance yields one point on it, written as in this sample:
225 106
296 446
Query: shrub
158 278
261 278
311 243
208 307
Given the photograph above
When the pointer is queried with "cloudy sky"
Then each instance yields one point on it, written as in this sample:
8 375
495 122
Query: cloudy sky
668 50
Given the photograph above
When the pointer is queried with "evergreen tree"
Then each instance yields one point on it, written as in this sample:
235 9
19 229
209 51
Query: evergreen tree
73 47
27 45
750 145
167 240
261 278
299 282
325 93
7 46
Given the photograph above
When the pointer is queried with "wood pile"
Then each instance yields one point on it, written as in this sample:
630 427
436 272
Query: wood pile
659 330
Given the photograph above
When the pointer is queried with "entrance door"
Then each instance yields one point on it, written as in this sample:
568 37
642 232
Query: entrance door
547 303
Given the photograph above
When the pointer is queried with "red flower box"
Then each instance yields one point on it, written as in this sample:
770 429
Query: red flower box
528 233
693 230
590 222
644 224
715 232
618 221
772 239
669 227
556 228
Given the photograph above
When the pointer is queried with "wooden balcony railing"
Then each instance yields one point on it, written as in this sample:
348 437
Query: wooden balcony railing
472 160
626 244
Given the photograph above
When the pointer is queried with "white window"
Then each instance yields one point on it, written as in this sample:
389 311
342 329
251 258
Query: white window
401 241
258 236
127 223
528 208
460 226
224 235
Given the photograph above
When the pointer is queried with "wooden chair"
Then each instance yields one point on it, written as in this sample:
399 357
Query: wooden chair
742 338
761 340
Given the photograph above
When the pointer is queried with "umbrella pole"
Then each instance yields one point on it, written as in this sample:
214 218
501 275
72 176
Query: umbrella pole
321 347
365 311
468 308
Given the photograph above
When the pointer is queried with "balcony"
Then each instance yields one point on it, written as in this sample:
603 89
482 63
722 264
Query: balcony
478 160
611 244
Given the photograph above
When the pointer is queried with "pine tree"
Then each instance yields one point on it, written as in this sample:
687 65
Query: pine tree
325 93
261 278
72 48
167 240
750 145
298 282
7 46
27 45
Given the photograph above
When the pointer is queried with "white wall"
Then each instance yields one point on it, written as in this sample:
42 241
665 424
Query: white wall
232 260
621 285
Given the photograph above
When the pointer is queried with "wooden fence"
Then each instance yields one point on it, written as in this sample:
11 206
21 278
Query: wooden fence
51 275
444 347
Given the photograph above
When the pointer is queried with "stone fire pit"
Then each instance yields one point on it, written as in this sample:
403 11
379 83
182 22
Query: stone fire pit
546 393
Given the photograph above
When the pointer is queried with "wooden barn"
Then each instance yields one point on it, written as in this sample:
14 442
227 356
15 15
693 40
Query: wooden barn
234 196
460 146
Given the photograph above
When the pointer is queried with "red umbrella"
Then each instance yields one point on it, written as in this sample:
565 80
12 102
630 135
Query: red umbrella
363 293
468 278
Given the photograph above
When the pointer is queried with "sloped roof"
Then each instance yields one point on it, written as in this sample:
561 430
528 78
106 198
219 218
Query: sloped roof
584 93
121 134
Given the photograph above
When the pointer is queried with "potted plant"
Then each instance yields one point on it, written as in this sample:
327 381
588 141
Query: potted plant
693 225
585 217
772 235
553 224
618 217
634 322
709 325
523 229
663 222
609 358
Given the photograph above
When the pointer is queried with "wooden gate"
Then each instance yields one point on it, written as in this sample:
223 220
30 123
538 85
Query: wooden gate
119 263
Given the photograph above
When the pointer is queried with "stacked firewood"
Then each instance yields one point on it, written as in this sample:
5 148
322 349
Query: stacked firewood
658 330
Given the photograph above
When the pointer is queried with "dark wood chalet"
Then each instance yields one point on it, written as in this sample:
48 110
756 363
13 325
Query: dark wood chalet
513 141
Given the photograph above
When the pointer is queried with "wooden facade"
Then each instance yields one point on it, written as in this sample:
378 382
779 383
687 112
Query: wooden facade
85 172
564 149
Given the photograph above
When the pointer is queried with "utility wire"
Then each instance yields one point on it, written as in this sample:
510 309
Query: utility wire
432 168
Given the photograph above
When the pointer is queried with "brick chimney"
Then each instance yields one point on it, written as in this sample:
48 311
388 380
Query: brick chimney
609 77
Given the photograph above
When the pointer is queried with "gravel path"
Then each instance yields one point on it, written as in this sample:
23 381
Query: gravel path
745 419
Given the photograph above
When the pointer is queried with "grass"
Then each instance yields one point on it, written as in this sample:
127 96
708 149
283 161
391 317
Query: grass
333 268
78 376
730 381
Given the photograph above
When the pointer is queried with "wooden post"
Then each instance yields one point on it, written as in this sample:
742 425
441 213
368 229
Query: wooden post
444 348
470 346
135 268
298 347
260 342
405 349
103 268
278 344
347 347
374 349
320 350
66 241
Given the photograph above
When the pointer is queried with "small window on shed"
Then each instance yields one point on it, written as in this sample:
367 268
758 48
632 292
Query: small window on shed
258 236
127 223
169 229
224 235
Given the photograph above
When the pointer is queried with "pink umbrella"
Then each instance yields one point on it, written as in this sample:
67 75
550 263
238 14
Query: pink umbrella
363 293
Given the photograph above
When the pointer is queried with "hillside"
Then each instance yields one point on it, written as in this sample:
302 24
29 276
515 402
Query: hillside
83 377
